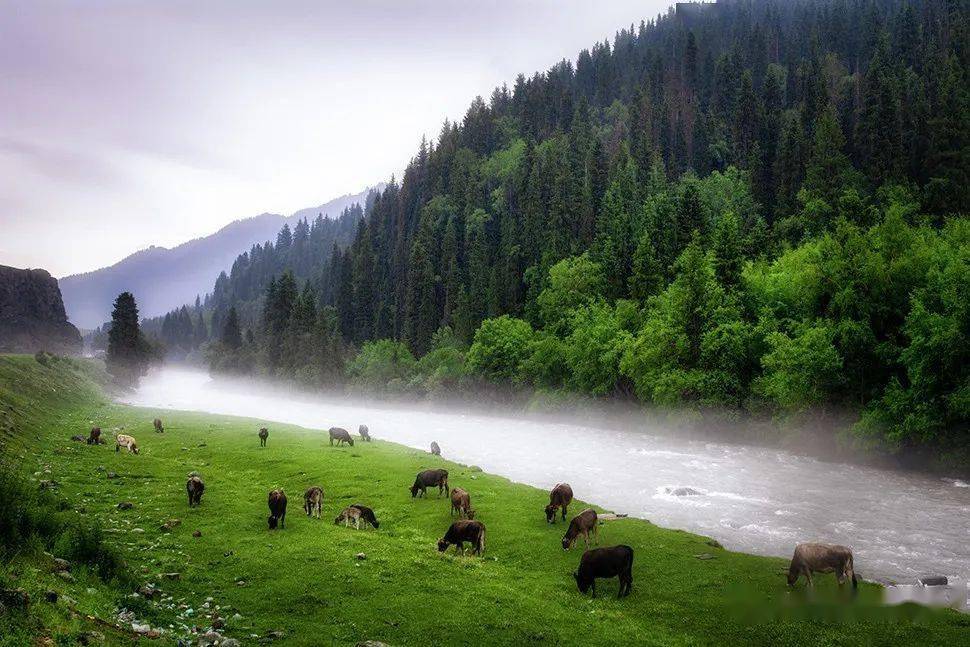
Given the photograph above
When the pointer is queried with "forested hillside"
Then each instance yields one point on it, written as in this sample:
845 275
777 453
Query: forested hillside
754 205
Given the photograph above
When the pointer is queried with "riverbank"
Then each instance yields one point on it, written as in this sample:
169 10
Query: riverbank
307 583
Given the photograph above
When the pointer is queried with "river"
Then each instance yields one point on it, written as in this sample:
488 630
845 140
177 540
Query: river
900 525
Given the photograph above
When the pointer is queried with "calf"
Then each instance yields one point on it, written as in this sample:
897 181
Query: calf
461 531
263 435
822 558
313 501
158 426
126 441
364 433
462 503
614 561
367 514
94 438
430 478
560 497
277 509
435 450
582 524
195 487
341 436
353 514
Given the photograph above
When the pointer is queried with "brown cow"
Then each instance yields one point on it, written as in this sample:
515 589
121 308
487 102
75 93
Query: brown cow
822 558
195 487
560 497
364 433
341 436
582 524
367 514
313 501
614 561
158 426
430 478
277 509
462 503
126 441
461 531
263 435
353 514
94 438
435 449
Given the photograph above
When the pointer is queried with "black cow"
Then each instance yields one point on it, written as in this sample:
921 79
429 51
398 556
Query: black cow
277 509
560 497
364 433
435 449
614 561
341 436
367 514
470 530
195 487
157 423
95 437
430 478
263 435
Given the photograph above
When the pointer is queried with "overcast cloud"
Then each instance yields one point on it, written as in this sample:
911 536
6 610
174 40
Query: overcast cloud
126 124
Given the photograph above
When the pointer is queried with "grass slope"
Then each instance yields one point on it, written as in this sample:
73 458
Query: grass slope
306 582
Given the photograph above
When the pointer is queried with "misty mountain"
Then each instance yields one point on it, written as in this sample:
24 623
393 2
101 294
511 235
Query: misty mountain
162 279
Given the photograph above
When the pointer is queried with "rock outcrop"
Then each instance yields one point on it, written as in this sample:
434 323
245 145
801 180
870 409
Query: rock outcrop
32 314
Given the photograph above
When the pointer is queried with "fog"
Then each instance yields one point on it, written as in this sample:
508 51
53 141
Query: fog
900 525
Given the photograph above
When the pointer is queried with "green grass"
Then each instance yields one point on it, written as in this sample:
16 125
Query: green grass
306 581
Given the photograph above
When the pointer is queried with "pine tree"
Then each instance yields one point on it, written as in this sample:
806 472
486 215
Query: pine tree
128 352
231 335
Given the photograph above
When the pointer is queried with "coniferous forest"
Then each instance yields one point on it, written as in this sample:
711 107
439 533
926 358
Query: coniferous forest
754 206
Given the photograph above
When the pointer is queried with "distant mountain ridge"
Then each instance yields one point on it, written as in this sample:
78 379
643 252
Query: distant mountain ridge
162 279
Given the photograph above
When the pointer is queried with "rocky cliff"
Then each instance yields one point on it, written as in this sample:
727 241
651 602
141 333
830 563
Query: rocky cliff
32 314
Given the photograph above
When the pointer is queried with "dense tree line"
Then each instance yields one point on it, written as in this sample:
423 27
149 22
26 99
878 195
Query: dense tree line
756 204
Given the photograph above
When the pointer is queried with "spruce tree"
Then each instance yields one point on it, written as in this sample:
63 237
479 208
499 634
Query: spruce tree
231 335
128 352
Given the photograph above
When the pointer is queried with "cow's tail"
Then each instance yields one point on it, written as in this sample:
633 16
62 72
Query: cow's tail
481 541
855 582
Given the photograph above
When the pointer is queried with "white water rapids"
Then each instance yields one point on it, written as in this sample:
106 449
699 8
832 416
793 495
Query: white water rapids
900 525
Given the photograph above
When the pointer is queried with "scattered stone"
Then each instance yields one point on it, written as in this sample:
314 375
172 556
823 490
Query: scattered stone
236 617
90 638
69 601
140 629
201 444
48 484
126 505
934 580
172 576
211 638
713 543
230 642
218 623
112 475
61 564
138 530
271 636
171 524
361 556
704 556
240 582
78 439
66 576
149 591
371 643
197 533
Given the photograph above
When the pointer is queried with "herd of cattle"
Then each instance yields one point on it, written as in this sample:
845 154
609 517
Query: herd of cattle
596 563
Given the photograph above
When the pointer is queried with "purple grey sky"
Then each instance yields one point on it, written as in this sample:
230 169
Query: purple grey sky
125 124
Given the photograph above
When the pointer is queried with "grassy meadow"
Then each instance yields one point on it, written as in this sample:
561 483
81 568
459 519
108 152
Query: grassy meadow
307 585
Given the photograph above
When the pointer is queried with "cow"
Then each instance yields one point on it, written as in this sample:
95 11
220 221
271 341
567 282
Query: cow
313 501
157 423
364 433
195 487
582 524
126 441
94 438
430 478
263 435
341 436
435 449
613 561
462 503
353 514
461 531
822 558
277 509
560 497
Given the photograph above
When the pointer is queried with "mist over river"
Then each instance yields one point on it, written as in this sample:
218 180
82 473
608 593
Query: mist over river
900 525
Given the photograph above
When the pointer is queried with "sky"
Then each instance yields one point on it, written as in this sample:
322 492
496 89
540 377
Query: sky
125 124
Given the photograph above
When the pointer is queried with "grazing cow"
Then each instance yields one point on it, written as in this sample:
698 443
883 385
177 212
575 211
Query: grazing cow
158 426
94 438
367 514
430 478
461 531
614 561
435 449
364 433
263 435
353 514
341 436
195 487
582 524
822 558
126 441
277 509
313 501
560 497
462 503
